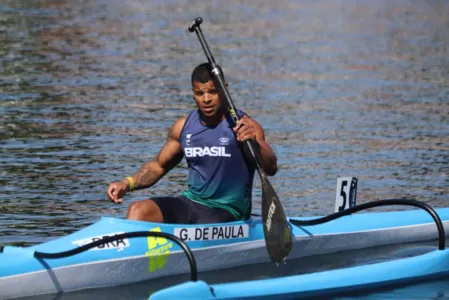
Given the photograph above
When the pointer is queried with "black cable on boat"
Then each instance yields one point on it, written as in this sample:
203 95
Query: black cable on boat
105 240
426 207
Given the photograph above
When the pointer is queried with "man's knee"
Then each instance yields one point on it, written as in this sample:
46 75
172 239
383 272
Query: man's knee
145 210
135 208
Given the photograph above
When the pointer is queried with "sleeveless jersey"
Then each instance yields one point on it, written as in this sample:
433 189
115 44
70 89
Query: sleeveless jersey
218 173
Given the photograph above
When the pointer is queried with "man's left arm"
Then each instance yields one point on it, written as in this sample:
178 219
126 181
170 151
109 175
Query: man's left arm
247 129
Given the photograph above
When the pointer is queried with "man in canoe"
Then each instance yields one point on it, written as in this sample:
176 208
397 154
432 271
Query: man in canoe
220 178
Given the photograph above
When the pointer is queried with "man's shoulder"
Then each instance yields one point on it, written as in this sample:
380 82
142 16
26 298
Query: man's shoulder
183 119
179 123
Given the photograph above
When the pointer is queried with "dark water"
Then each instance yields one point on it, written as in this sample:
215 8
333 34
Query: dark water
89 88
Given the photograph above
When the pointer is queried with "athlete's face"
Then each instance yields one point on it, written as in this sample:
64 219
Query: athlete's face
207 98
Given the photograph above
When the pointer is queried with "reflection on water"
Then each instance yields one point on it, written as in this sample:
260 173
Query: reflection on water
342 88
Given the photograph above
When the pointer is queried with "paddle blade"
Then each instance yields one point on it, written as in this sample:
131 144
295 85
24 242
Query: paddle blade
275 225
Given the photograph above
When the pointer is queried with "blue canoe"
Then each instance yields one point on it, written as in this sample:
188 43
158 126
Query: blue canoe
434 264
215 247
407 270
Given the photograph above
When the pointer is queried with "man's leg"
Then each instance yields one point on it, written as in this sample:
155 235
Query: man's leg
206 215
145 210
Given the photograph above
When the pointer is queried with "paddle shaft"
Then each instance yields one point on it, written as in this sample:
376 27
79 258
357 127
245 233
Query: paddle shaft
195 26
277 231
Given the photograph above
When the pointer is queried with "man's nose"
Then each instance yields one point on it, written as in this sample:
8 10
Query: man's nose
207 97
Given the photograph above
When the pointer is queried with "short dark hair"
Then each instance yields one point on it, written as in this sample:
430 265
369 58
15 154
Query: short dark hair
203 73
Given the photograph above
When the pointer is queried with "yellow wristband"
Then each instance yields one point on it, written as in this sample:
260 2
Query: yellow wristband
131 182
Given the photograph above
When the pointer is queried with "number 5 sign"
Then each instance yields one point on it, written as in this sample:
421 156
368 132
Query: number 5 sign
346 193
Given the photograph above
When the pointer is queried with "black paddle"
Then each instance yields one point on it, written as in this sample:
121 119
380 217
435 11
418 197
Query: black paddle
276 229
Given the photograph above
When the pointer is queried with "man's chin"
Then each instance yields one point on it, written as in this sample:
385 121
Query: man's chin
209 113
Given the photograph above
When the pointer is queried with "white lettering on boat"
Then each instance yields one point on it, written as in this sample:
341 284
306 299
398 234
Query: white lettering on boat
206 151
119 244
271 211
212 233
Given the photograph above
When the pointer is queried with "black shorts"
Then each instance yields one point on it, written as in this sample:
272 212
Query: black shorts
181 210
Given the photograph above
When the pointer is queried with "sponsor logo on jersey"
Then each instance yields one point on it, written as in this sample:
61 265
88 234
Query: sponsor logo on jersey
206 151
224 141
188 136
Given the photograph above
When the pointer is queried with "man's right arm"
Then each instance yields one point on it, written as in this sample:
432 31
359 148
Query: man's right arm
151 172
